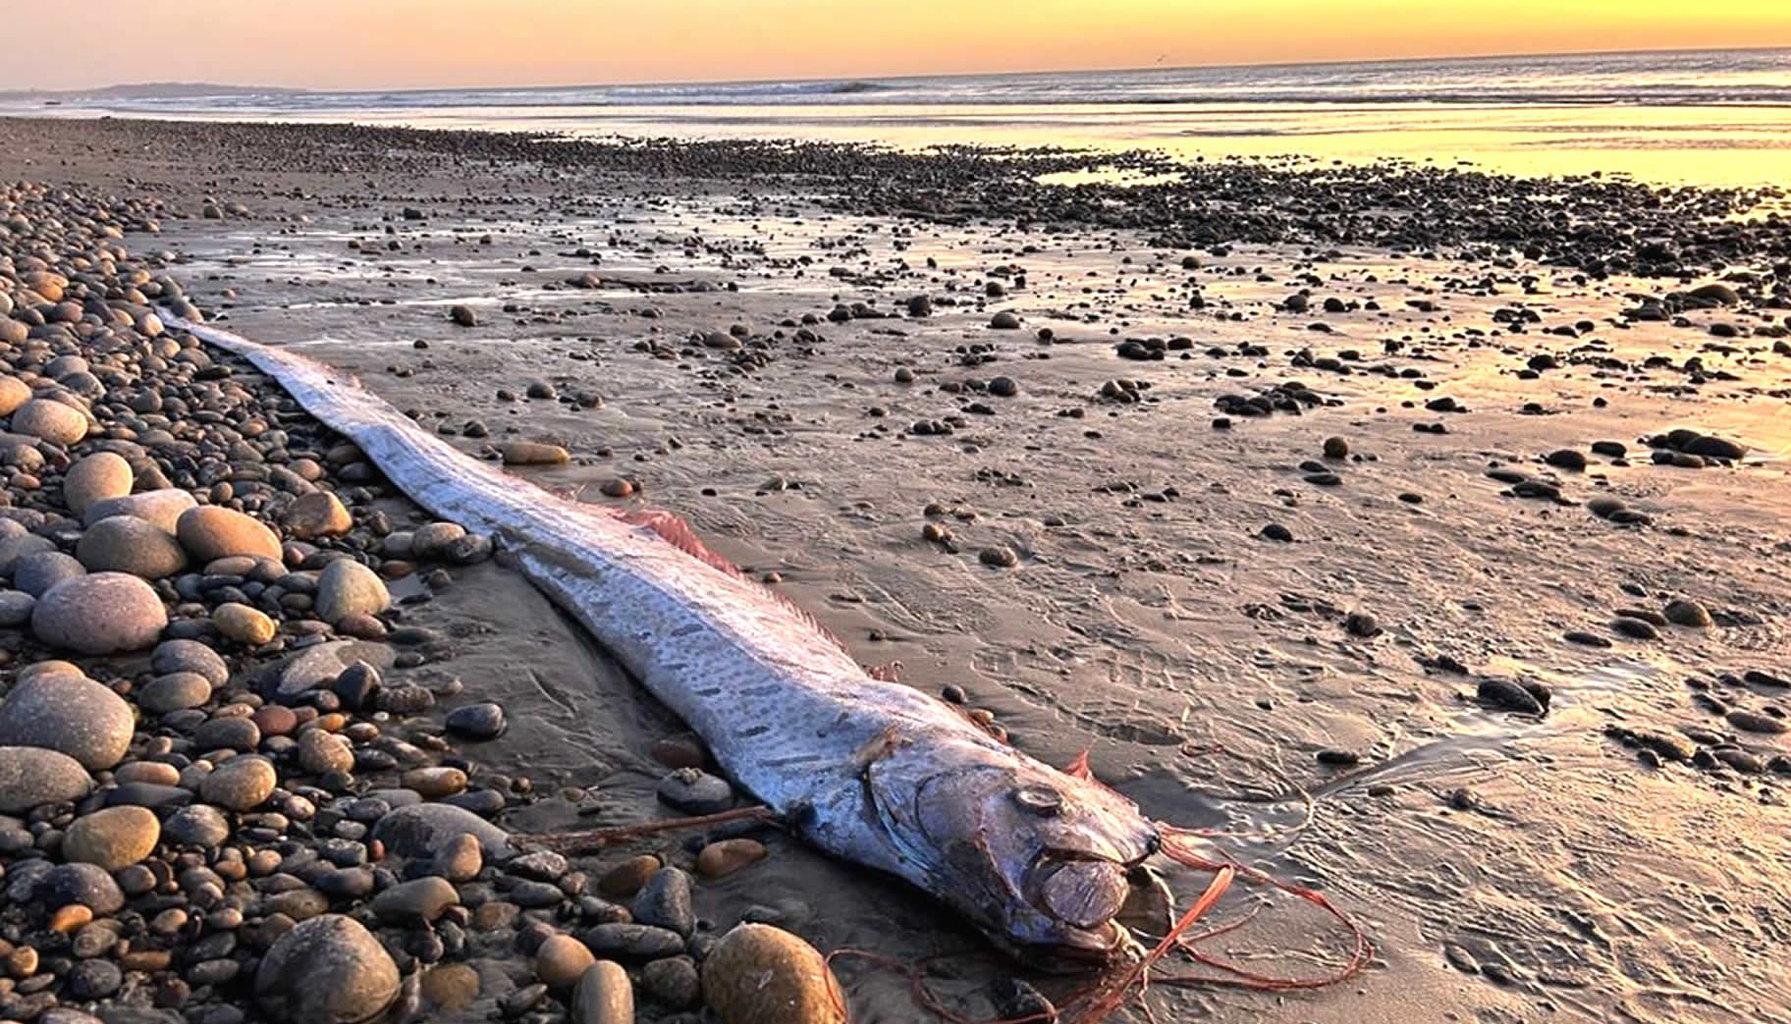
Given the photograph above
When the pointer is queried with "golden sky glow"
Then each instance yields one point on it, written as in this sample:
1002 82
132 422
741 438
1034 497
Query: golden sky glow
419 43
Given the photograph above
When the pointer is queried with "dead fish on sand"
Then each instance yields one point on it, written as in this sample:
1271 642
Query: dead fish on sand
871 771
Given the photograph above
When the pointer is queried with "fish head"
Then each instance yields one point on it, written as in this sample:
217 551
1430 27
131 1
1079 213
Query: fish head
1039 859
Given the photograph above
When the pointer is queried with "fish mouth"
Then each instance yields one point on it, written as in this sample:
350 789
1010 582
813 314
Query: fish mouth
1081 950
1080 896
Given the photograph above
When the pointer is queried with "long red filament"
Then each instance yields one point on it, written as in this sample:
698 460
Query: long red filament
1098 1002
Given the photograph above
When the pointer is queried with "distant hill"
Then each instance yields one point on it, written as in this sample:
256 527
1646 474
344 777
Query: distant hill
147 91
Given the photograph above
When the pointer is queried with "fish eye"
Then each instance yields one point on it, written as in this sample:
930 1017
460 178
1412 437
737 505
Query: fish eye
1040 800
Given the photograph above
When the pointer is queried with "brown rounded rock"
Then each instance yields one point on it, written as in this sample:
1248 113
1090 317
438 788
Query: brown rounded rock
533 453
100 475
757 974
604 995
318 514
239 784
243 624
451 987
435 783
627 878
321 752
50 420
459 859
112 837
209 532
561 961
719 860
13 391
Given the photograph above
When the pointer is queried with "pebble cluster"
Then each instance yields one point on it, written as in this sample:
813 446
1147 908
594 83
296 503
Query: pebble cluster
219 800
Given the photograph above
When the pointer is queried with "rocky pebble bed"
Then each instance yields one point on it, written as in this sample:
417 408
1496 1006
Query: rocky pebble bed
217 804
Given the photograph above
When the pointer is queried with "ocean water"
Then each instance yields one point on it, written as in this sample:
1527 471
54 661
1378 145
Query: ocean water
1705 117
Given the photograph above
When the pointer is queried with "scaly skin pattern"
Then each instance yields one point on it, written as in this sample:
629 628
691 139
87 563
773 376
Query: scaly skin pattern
870 771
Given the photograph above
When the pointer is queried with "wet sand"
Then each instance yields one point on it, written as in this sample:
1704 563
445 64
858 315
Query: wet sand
1510 866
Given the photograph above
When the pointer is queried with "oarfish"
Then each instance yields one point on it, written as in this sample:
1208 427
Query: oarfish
868 770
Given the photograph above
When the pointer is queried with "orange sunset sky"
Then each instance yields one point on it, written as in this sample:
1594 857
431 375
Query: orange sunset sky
421 43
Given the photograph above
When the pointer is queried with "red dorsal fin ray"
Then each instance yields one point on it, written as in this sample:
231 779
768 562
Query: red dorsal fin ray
889 672
678 534
1079 768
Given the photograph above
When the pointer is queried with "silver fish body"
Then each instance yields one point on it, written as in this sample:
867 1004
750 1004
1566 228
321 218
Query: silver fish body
870 771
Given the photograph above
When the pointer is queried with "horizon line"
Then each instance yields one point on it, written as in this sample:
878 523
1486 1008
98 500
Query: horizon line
900 77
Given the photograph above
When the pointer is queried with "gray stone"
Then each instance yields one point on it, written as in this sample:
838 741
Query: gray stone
69 714
31 776
16 546
666 902
102 613
695 791
198 825
190 656
347 587
477 721
176 691
423 829
87 884
162 507
327 970
319 665
38 572
15 608
130 545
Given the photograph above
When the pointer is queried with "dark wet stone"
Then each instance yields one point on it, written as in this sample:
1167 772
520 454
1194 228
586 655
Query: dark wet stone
1690 614
1505 694
632 941
327 970
477 721
421 829
666 902
1754 721
1635 628
694 791
672 981
87 884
